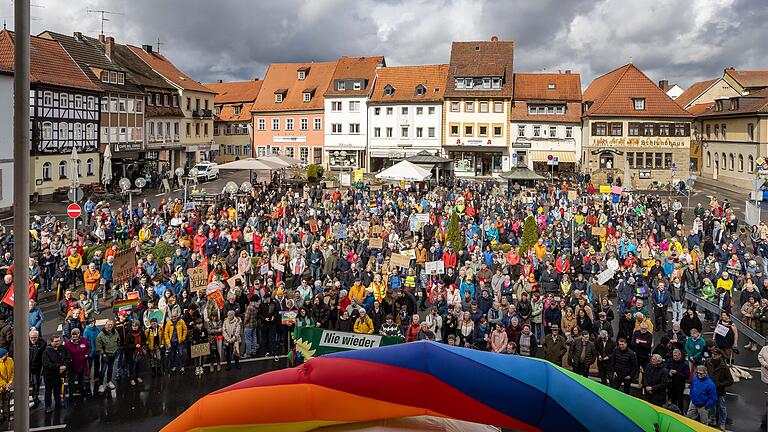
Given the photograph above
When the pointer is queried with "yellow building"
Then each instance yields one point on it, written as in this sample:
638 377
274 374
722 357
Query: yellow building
232 121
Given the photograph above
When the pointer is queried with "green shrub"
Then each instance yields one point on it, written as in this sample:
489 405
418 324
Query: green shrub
312 173
506 247
454 232
163 250
530 235
320 171
91 251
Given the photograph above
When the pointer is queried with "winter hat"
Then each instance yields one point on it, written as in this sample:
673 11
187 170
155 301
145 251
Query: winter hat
3 352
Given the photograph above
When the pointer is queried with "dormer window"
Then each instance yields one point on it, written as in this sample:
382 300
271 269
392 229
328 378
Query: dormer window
734 104
420 90
113 76
388 90
341 85
718 106
217 110
105 76
496 83
486 83
121 78
638 103
459 83
468 83
357 85
551 86
307 96
279 97
236 109
302 75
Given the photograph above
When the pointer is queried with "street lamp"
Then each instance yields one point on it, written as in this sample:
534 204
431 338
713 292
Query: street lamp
192 174
125 186
232 188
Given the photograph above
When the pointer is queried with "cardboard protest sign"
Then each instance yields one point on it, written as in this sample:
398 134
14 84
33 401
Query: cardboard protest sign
435 267
400 260
279 267
198 278
598 231
124 267
231 282
264 269
599 290
573 195
604 276
605 189
376 243
312 225
218 297
200 350
288 317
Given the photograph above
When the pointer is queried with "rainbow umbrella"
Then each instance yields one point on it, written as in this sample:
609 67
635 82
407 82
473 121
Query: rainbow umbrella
425 379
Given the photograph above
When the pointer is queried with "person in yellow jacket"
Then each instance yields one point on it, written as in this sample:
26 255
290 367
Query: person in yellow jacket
725 282
175 334
6 382
379 289
145 234
363 324
357 291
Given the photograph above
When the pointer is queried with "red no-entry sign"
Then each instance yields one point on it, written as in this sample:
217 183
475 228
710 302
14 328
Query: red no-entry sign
74 210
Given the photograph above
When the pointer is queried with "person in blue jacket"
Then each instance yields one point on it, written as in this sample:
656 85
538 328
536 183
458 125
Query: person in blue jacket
36 317
703 395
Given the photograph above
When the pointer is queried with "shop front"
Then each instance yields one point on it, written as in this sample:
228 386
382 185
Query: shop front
345 159
552 162
485 163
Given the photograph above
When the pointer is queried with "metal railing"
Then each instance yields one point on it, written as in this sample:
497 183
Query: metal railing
744 329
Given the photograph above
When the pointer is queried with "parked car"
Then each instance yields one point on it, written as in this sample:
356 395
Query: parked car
207 171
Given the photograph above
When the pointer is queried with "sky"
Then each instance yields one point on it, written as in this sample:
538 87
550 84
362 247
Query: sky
680 41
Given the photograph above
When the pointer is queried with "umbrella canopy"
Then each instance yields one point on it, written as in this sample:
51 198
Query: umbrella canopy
74 163
106 168
250 164
285 161
426 378
521 173
404 170
426 158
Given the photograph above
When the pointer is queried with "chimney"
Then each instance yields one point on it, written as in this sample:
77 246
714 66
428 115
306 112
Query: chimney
663 84
220 81
78 36
256 78
109 47
101 38
494 38
567 71
147 48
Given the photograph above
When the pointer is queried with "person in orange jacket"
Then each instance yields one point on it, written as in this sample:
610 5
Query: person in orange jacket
91 276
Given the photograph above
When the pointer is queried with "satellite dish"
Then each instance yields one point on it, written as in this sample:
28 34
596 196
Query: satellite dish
141 182
124 183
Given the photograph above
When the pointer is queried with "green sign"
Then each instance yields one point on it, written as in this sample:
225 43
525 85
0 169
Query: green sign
313 342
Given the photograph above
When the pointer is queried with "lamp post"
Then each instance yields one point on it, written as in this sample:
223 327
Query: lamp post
125 186
232 188
191 175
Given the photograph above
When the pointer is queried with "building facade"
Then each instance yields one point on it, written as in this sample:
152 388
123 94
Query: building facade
405 113
478 93
232 118
6 138
195 102
545 122
288 113
746 81
346 112
632 128
734 134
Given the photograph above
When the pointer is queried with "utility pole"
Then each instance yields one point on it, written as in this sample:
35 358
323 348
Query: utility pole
158 45
21 215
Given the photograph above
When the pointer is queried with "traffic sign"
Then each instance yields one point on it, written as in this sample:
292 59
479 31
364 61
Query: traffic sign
75 194
74 210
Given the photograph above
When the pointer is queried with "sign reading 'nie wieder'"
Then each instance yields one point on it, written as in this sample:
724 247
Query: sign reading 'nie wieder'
349 340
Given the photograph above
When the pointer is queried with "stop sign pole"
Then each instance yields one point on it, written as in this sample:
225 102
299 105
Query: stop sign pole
74 211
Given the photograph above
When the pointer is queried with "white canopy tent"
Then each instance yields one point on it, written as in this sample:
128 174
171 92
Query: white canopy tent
404 170
251 164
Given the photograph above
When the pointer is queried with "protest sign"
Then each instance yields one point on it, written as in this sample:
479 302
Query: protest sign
599 290
198 278
605 189
8 299
435 267
604 276
400 260
264 269
200 350
313 342
422 217
573 195
413 224
218 297
233 280
312 225
598 231
279 267
339 232
375 243
288 317
124 267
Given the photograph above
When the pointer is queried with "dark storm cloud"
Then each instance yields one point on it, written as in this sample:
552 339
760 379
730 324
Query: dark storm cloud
682 41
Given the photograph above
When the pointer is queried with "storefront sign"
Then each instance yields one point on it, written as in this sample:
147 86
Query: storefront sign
639 142
121 147
312 342
475 142
289 138
521 145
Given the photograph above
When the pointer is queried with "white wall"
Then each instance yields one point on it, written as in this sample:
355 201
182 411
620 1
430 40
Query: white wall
410 144
345 140
6 141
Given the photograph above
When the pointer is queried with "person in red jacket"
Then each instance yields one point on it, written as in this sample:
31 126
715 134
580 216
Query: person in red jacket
78 348
412 334
449 257
199 241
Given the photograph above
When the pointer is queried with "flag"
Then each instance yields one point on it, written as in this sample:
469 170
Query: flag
121 305
8 298
328 233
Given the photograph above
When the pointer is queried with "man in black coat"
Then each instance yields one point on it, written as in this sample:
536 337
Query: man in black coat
56 360
655 380
678 376
605 346
624 366
36 349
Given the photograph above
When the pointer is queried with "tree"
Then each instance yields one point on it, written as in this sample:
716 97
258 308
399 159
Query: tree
454 232
312 173
530 235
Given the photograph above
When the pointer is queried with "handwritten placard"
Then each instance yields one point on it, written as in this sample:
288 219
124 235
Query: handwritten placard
400 260
435 267
198 278
124 268
200 350
376 243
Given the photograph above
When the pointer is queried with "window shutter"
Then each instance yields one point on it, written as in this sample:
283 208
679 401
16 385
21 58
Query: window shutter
594 128
687 129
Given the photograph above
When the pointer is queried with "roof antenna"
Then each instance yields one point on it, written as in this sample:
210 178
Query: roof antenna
158 45
4 24
103 18
630 59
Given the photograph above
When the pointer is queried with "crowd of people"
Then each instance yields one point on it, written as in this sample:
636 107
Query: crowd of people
596 283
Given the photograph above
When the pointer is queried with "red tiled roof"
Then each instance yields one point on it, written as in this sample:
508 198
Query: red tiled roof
753 103
611 95
693 92
519 112
405 79
49 63
235 91
749 78
537 86
284 77
355 68
481 59
698 109
164 67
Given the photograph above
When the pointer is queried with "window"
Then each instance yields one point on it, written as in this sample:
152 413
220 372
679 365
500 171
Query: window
189 104
521 130
459 83
377 132
340 85
536 131
404 132
304 154
469 107
569 131
262 124
420 90
667 160
317 155
616 129
63 169
336 128
389 132
638 103
78 131
166 100
631 159
237 110
279 97
708 132
354 128
46 171
560 109
92 102
357 85
188 129
289 151
388 90
47 130
430 110
648 129
498 107
469 83
404 110
483 107
730 161
63 100
104 76
431 132
552 131
47 98
289 124
302 75
89 167
176 130
149 101
78 102
454 107
89 131
634 129
717 131
121 105
741 163
550 110
63 131
454 130
482 131
486 83
307 96
131 105
497 131
722 129
750 163
496 83
354 106
377 111
664 129
304 124
709 159
275 124
469 130
599 129
175 100
318 123
751 131
419 110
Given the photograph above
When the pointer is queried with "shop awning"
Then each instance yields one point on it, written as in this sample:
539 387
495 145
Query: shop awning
562 156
